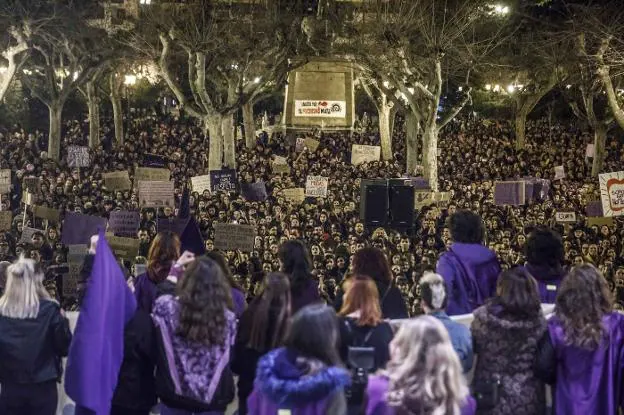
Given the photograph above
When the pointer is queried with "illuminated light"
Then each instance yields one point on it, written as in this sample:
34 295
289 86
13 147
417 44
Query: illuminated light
3 69
130 79
496 88
386 84
511 89
411 90
257 80
488 87
75 76
460 88
568 86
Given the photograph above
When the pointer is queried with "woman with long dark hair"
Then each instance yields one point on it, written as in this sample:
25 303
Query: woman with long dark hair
197 330
305 376
545 259
163 253
582 351
373 263
238 295
262 328
296 263
34 336
505 332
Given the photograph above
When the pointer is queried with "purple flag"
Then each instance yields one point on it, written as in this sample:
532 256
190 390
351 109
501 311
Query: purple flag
97 349
78 228
594 209
509 193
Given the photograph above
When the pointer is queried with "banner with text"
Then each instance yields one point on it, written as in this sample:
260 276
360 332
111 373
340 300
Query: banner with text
612 193
6 220
201 183
316 186
509 193
124 223
156 194
565 217
117 180
294 194
231 237
151 174
78 156
5 181
223 180
78 228
364 154
314 108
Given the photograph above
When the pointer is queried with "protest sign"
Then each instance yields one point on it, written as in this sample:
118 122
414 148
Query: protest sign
27 234
559 172
70 279
590 151
154 160
46 213
78 156
231 237
127 248
612 193
364 154
156 194
254 192
124 223
28 198
78 228
311 144
6 220
593 209
299 144
172 224
32 184
200 183
509 193
280 160
280 168
565 217
117 180
79 250
151 174
316 186
294 194
426 198
223 180
600 221
536 189
5 181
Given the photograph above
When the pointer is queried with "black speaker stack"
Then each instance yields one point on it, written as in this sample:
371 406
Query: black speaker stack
387 203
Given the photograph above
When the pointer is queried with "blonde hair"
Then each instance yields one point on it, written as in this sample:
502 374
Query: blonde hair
424 371
24 289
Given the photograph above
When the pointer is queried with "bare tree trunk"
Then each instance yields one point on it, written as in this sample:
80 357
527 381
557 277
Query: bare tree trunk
411 142
229 146
600 141
384 131
250 125
430 155
520 128
55 110
392 119
115 96
215 157
93 102
6 78
10 55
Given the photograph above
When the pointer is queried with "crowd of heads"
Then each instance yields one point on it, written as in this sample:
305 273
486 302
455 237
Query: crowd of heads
473 154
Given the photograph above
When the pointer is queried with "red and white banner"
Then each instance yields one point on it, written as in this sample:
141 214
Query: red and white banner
314 108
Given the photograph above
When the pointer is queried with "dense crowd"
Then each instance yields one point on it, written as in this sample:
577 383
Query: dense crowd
473 154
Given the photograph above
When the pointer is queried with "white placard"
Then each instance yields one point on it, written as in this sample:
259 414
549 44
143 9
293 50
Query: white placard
320 108
565 217
5 181
316 186
156 194
559 172
612 193
364 154
201 183
590 151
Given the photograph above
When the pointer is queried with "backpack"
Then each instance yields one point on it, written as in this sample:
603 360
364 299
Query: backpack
361 360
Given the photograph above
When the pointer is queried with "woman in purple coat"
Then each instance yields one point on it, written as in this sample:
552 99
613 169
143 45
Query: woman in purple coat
545 257
582 353
424 375
469 269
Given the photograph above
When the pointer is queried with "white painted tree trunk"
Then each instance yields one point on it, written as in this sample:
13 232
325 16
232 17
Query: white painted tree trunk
384 111
430 155
10 55
6 78
215 156
55 110
411 142
229 145
93 102
600 141
250 125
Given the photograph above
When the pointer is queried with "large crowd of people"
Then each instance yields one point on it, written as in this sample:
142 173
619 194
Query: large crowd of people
259 315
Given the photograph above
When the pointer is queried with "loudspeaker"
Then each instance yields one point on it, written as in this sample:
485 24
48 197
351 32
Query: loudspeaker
364 183
376 205
401 207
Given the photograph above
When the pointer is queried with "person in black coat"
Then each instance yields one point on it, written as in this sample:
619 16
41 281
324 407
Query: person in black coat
135 393
372 262
262 327
34 336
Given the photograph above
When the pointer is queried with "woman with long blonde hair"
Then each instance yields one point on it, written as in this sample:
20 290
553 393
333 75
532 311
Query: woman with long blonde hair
34 336
423 376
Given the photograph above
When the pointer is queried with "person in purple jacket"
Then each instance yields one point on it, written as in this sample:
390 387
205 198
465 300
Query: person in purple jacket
424 375
582 352
469 269
306 376
545 257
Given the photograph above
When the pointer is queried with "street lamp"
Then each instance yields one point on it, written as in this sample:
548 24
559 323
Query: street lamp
130 80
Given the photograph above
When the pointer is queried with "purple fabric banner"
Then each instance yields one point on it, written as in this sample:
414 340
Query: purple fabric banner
124 223
509 193
78 228
594 209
